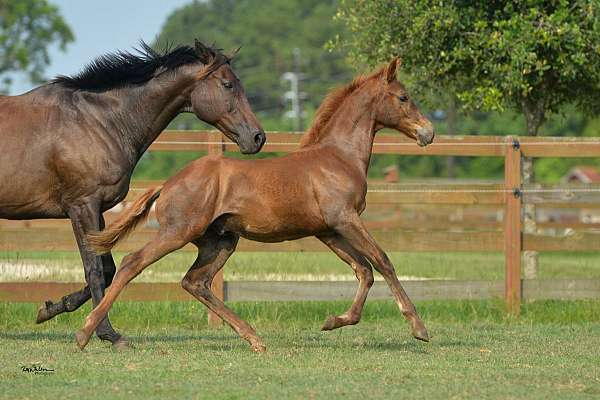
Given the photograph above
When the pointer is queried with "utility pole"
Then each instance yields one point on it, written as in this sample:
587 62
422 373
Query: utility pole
294 95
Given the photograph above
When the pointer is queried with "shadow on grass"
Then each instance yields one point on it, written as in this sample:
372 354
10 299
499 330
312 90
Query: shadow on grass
30 336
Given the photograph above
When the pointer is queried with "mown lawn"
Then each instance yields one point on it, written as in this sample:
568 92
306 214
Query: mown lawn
66 266
553 351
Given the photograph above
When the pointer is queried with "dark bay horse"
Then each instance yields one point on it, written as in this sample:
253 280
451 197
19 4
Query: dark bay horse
69 147
318 190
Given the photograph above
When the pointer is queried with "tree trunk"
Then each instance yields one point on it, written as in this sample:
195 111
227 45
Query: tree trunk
534 116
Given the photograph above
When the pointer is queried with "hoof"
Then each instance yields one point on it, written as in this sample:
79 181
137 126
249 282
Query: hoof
330 323
421 334
261 348
122 343
82 339
43 314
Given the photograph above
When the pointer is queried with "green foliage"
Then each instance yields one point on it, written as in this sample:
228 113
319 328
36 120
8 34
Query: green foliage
268 31
448 47
534 56
27 29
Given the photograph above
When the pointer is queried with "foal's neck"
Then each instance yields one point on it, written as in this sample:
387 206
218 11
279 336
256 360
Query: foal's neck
351 129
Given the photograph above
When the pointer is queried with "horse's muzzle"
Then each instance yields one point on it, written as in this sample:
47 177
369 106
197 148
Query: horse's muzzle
425 136
252 143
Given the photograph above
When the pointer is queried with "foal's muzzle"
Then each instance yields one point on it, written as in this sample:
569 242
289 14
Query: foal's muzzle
425 136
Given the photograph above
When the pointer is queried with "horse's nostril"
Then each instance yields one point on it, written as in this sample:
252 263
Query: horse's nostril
259 138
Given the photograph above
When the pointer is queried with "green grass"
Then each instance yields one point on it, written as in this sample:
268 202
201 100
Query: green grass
552 351
66 266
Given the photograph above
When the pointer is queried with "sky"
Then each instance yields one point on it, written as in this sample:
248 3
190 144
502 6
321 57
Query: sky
101 27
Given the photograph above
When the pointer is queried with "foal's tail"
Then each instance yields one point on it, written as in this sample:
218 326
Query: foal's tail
103 241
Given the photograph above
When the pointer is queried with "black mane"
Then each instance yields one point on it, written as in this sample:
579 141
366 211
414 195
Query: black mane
124 68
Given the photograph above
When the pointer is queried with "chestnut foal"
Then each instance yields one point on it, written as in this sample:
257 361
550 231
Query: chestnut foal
318 190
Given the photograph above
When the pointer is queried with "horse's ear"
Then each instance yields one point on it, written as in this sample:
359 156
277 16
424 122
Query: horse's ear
391 69
204 53
232 53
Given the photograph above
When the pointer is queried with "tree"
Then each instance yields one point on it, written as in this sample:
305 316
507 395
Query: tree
534 56
28 28
268 31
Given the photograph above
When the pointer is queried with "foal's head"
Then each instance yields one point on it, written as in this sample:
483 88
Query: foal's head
396 110
218 98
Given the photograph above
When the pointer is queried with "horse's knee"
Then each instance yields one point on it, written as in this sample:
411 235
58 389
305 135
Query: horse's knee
195 286
128 264
188 285
365 276
383 265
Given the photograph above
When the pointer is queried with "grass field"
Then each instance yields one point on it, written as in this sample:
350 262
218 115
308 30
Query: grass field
66 266
553 351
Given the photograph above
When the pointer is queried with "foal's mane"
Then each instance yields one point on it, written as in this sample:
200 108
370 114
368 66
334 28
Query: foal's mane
122 68
332 103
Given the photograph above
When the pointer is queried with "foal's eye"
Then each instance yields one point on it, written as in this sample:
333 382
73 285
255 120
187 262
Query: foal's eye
227 84
403 98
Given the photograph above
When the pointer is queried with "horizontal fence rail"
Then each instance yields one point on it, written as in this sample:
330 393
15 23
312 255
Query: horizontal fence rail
395 213
567 289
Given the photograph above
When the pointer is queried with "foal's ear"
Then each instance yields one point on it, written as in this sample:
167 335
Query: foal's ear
391 69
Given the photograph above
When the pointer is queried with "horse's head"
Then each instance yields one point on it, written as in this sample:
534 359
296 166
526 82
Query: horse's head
218 98
396 109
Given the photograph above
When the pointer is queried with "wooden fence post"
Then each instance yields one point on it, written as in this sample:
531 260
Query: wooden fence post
512 225
217 146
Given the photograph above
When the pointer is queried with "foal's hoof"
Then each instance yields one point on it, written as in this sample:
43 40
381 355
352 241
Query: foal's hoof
43 314
421 334
82 339
259 348
122 343
330 323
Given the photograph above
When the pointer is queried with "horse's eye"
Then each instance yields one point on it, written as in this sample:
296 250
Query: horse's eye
227 84
403 98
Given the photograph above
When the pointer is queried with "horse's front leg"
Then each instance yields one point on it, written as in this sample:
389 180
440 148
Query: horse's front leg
364 274
86 218
353 230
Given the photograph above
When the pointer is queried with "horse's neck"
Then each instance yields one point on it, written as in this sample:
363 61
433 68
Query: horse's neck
351 130
147 110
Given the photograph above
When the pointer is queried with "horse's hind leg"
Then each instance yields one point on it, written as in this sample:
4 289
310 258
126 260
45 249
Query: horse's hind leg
131 266
214 250
364 274
68 303
73 301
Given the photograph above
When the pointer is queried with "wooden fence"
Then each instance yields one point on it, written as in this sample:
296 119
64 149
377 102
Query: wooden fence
505 236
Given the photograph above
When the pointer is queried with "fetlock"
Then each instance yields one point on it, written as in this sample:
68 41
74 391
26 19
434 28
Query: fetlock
68 304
